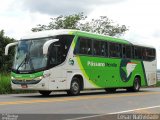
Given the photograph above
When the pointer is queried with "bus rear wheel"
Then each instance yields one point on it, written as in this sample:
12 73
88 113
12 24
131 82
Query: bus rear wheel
136 85
45 93
74 88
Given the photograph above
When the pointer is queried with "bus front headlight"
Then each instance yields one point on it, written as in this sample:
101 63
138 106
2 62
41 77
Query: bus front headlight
38 78
13 78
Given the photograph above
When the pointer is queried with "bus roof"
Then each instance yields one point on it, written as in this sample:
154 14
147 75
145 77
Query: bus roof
49 33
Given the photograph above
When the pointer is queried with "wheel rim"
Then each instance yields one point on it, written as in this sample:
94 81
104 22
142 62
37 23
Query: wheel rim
137 85
75 87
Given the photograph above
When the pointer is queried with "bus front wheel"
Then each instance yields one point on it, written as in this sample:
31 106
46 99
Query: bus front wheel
45 93
74 87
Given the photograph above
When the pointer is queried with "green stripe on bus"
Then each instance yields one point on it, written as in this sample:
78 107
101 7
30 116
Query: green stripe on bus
84 72
27 76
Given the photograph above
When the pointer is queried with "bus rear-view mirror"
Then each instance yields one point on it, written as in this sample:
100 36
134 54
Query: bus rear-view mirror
47 44
8 46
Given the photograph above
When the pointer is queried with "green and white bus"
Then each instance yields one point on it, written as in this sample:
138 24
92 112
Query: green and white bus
72 61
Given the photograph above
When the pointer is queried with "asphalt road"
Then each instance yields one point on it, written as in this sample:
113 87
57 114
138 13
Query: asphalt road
89 105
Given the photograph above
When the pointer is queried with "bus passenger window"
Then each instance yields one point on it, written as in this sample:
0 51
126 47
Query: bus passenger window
82 46
106 49
128 52
97 48
85 46
144 53
115 50
103 52
137 53
89 46
148 54
124 51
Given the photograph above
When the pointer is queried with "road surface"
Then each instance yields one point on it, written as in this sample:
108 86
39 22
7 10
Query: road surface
89 105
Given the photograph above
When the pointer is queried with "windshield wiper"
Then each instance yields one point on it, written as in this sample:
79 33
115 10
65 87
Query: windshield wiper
24 61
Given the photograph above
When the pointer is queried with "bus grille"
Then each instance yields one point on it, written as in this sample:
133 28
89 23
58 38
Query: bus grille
25 81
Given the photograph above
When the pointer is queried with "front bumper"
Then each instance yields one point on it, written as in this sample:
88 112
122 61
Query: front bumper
30 84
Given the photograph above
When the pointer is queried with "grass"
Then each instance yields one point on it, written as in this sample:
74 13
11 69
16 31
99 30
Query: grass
158 84
5 85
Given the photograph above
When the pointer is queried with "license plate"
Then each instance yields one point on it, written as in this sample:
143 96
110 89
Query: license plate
24 86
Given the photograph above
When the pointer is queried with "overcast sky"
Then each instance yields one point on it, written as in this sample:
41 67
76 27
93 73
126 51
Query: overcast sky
141 16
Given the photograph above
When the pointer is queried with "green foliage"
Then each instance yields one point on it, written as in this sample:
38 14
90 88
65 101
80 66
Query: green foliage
5 61
102 25
158 84
5 86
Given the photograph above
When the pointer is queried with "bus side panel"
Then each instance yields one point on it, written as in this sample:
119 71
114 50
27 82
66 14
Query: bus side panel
74 67
150 70
58 79
110 72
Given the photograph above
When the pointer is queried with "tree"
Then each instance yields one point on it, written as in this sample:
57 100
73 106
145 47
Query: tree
102 25
5 61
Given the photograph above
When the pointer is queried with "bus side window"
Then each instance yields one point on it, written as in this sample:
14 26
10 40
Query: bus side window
112 50
119 50
137 52
115 50
128 51
103 50
96 47
123 51
106 49
76 49
149 54
89 47
144 53
132 51
153 55
84 46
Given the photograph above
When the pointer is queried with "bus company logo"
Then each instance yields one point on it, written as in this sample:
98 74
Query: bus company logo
130 67
126 69
96 64
101 64
71 61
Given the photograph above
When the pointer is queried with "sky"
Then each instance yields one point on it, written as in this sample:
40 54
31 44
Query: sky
142 17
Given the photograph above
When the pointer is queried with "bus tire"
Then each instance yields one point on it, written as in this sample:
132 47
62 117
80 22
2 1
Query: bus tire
74 87
45 93
110 90
136 85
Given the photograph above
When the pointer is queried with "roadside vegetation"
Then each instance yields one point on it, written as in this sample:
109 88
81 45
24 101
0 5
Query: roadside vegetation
158 84
5 86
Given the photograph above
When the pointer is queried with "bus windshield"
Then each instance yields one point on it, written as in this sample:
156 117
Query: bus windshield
29 55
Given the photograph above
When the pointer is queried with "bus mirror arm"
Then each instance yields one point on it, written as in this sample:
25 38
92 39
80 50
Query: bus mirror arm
8 46
47 44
